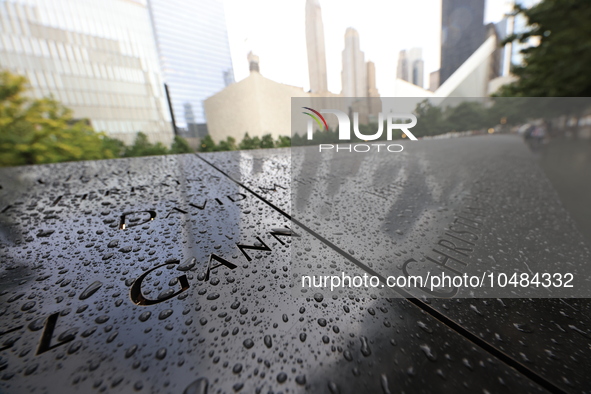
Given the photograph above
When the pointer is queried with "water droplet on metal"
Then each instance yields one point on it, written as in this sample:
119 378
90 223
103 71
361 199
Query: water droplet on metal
90 290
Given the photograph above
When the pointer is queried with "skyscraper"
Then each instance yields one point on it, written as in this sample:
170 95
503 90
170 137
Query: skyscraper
194 52
372 90
411 66
462 32
315 45
402 70
96 57
354 74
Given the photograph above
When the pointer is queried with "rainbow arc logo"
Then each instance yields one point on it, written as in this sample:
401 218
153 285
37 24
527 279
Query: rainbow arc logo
316 116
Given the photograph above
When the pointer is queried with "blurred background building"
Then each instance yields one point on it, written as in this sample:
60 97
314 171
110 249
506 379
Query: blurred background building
194 54
462 33
109 61
315 47
411 66
257 105
98 58
354 73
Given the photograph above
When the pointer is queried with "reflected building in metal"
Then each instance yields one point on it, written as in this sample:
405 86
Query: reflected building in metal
194 53
98 58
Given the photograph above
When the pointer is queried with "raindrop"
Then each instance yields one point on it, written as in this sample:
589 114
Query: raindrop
334 389
467 363
248 343
268 341
281 377
523 328
74 347
37 324
428 352
365 350
130 351
145 316
161 353
90 290
348 356
164 314
198 386
424 327
385 387
28 305
164 294
45 233
213 296
32 368
187 264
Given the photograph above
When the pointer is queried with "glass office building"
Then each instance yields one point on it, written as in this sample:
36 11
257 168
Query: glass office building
96 57
462 33
194 54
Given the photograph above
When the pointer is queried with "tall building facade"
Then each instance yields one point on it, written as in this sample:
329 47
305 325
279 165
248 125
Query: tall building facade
411 66
315 46
462 32
194 53
402 69
372 89
434 80
96 57
354 73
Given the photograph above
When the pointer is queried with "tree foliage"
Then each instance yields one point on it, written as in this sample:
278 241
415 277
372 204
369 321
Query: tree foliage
248 142
180 145
559 65
37 131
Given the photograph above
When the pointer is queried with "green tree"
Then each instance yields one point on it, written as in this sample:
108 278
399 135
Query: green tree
468 115
283 142
37 131
143 147
228 144
559 65
267 142
207 144
115 147
250 143
180 145
430 120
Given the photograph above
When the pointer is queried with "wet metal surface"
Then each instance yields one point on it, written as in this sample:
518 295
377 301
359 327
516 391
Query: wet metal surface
166 274
527 226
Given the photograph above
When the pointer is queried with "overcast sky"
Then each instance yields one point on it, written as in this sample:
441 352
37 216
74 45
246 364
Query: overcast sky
275 31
